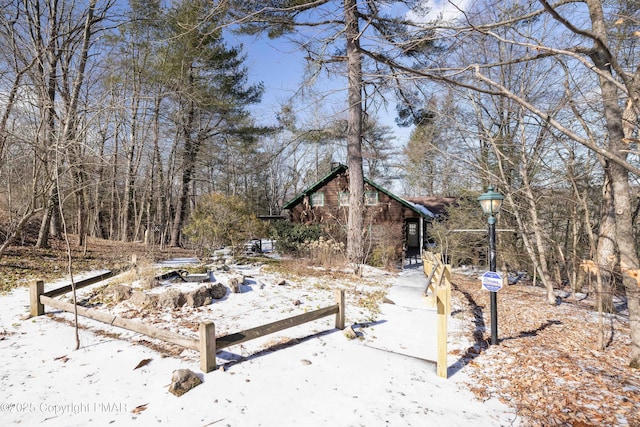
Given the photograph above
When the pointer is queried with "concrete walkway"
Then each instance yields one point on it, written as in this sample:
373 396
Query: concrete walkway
407 325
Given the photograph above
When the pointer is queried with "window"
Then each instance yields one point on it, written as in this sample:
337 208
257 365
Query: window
317 199
343 198
370 198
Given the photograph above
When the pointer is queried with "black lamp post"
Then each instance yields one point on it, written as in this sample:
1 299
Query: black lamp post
491 202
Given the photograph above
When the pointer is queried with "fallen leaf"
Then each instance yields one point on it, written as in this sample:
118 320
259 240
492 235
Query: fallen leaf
139 408
142 363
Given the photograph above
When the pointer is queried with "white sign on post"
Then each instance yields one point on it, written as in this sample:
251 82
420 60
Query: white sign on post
492 281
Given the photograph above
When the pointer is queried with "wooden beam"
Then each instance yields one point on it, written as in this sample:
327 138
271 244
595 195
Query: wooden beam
131 325
207 346
253 333
340 313
35 290
443 298
79 284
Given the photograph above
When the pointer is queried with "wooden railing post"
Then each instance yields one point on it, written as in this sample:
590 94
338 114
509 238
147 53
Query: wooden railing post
35 290
443 304
207 346
340 313
207 343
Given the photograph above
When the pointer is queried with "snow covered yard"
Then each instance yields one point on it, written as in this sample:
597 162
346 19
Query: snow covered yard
307 375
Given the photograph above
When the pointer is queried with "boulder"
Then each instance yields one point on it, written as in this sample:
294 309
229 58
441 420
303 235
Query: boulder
183 380
143 300
199 297
235 283
149 282
217 291
118 293
171 299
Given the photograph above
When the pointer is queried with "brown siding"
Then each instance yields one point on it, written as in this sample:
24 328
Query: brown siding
387 209
385 220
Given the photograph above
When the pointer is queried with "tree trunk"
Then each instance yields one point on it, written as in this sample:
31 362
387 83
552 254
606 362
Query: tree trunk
606 251
354 138
188 167
183 199
618 175
47 219
543 264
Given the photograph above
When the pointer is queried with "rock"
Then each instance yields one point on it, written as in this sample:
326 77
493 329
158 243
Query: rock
218 291
350 333
142 300
118 293
235 286
235 283
171 299
149 282
183 380
199 297
282 282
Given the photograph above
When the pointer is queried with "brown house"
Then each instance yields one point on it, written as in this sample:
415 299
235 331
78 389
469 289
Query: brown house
390 220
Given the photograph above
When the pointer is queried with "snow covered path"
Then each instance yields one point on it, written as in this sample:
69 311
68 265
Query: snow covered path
324 379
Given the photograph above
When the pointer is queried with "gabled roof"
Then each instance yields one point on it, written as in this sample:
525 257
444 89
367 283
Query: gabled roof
421 210
319 184
437 205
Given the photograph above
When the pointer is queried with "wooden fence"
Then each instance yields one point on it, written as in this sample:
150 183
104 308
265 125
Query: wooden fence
206 344
438 292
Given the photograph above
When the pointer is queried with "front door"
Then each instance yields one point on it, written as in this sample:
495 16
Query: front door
413 237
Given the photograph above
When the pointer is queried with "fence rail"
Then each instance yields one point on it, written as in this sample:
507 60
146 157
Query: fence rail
438 290
206 344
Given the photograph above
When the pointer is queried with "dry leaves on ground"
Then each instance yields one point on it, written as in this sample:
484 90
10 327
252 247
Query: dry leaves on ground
547 365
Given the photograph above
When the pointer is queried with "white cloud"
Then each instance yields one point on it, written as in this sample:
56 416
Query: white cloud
446 9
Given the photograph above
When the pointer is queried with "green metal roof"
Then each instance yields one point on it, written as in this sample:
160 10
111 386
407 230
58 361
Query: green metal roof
341 169
320 183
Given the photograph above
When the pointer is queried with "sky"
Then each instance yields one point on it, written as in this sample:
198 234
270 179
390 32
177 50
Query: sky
280 66
448 9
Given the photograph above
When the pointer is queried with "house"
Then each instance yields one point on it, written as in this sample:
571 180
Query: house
390 220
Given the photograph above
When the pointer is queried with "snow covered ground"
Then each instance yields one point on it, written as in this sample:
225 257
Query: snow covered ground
315 377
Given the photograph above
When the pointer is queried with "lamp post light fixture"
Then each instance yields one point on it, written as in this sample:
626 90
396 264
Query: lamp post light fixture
491 202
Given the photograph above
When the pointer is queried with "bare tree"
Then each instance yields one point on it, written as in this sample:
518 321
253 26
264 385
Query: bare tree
343 35
611 66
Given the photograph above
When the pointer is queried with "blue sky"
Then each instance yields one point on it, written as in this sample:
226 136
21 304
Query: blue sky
281 68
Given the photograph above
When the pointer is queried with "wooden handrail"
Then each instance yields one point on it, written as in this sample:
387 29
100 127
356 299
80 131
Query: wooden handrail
269 328
132 325
207 343
80 284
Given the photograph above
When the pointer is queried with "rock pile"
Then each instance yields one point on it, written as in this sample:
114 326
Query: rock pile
171 298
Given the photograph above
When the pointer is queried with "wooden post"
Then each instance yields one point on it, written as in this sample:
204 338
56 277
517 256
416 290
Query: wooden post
443 298
207 346
35 290
340 313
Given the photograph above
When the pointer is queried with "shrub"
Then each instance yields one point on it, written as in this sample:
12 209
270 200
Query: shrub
383 256
291 237
325 252
221 220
